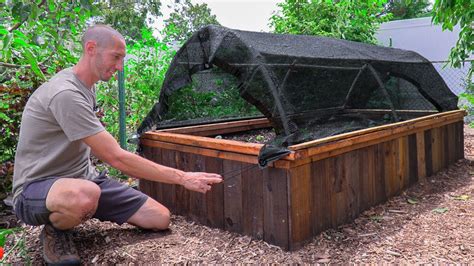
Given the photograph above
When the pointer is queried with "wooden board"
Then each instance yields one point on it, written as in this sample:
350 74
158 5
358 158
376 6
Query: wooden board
275 206
232 195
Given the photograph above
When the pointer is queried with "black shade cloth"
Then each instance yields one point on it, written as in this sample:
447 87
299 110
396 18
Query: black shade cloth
306 85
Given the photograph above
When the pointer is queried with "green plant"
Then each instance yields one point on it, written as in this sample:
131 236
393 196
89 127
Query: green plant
17 244
345 19
12 101
40 38
460 12
188 103
187 18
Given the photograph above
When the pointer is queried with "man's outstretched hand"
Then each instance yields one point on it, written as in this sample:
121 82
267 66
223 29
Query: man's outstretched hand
200 182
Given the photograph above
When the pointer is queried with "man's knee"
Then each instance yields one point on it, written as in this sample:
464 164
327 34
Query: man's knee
85 198
75 198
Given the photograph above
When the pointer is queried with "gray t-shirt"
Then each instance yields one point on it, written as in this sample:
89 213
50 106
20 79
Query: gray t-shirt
56 117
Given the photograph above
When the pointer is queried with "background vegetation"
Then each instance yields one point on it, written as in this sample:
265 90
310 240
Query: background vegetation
39 38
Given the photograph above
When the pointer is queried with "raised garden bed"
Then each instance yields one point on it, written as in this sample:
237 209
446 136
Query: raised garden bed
321 184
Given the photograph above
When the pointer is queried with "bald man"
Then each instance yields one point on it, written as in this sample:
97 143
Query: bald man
55 183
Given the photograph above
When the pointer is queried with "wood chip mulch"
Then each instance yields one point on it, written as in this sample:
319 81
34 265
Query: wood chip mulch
431 222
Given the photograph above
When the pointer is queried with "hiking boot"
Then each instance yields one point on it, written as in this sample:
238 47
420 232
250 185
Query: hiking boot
58 248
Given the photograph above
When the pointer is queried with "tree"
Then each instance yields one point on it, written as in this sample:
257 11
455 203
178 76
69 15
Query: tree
186 19
406 9
129 17
36 39
345 19
459 12
451 13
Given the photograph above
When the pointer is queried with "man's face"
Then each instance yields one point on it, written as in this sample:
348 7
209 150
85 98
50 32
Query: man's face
109 59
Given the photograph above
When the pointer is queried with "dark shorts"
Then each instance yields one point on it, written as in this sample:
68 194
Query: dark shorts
117 202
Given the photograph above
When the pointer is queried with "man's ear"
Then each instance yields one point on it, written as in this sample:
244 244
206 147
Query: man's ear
90 47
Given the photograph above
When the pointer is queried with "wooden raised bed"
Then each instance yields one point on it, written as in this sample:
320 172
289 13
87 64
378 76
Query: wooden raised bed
321 184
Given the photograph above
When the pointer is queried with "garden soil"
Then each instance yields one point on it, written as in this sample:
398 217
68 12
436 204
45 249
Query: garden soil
431 222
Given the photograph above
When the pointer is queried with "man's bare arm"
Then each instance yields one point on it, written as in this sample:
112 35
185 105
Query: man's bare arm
106 148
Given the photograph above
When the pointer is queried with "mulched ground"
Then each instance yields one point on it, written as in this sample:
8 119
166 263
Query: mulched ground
432 222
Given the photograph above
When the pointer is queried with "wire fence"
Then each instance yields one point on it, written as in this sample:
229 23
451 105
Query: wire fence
455 78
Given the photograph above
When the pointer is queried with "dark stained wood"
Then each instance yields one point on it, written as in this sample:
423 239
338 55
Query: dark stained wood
390 164
366 173
232 195
436 149
168 191
252 200
300 204
275 207
460 140
379 162
412 159
428 153
450 143
197 201
182 194
287 206
318 197
353 184
215 197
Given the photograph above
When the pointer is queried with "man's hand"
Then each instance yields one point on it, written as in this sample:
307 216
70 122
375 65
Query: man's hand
200 182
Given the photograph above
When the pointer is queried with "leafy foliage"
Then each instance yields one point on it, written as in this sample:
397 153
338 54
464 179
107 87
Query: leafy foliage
129 18
36 40
12 101
451 13
186 19
188 103
39 39
406 9
345 19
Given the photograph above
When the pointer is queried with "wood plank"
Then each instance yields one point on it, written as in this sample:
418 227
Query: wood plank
379 162
332 166
403 164
428 152
436 149
182 194
460 140
404 125
339 190
197 201
352 164
252 200
450 143
300 205
412 159
236 125
204 142
367 177
333 149
390 173
232 195
215 197
374 137
388 111
318 197
275 207
420 154
168 190
253 159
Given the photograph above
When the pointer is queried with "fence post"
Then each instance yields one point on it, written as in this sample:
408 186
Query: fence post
122 128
